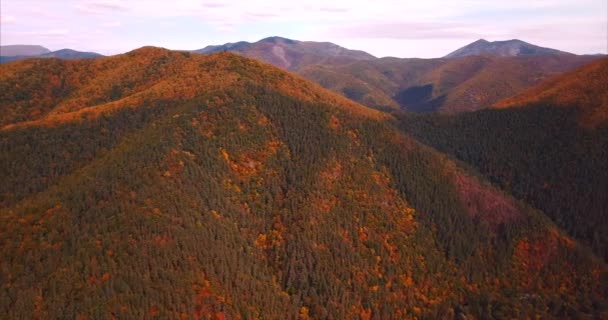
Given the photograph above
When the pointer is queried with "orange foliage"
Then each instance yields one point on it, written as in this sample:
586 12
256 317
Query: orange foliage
584 87
102 86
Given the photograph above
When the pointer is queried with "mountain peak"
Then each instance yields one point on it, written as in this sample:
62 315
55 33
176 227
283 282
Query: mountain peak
505 48
290 54
481 41
276 39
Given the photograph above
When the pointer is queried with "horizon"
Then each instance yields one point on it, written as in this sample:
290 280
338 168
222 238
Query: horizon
423 30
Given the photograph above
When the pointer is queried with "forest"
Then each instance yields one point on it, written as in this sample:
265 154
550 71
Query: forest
268 198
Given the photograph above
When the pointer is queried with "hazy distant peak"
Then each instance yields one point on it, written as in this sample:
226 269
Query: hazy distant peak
276 39
60 54
288 53
22 50
506 48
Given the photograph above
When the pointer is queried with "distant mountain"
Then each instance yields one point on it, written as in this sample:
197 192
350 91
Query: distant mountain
546 146
61 54
508 48
170 185
71 54
22 50
451 85
291 54
439 85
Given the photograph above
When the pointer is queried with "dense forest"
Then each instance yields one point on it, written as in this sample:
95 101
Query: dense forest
549 152
268 198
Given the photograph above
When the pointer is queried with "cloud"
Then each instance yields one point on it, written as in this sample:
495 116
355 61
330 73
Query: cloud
214 5
261 15
7 19
102 6
334 10
368 24
111 24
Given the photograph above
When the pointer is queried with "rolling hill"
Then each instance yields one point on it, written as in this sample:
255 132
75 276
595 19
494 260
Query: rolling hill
546 146
173 185
507 48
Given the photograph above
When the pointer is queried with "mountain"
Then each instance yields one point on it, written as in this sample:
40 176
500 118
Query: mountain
450 85
291 54
546 147
71 54
584 88
174 185
443 85
61 54
22 50
508 48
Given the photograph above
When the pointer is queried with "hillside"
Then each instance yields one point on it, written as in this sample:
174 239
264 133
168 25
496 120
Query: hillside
546 146
444 85
291 54
173 185
584 88
507 48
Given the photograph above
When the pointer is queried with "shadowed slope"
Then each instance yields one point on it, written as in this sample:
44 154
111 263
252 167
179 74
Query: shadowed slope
463 84
546 146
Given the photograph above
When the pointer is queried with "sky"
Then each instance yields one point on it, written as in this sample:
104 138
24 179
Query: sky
399 28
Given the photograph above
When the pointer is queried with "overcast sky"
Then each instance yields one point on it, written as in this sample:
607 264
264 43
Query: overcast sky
401 28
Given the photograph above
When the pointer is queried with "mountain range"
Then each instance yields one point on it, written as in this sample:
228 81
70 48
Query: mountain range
180 185
467 81
464 81
20 52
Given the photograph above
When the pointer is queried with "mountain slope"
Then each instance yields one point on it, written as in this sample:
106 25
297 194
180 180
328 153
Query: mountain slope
218 187
444 85
584 88
291 54
548 149
508 48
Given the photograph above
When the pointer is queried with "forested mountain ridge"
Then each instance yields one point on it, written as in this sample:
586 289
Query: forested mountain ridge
218 187
440 85
52 90
547 146
584 88
450 85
